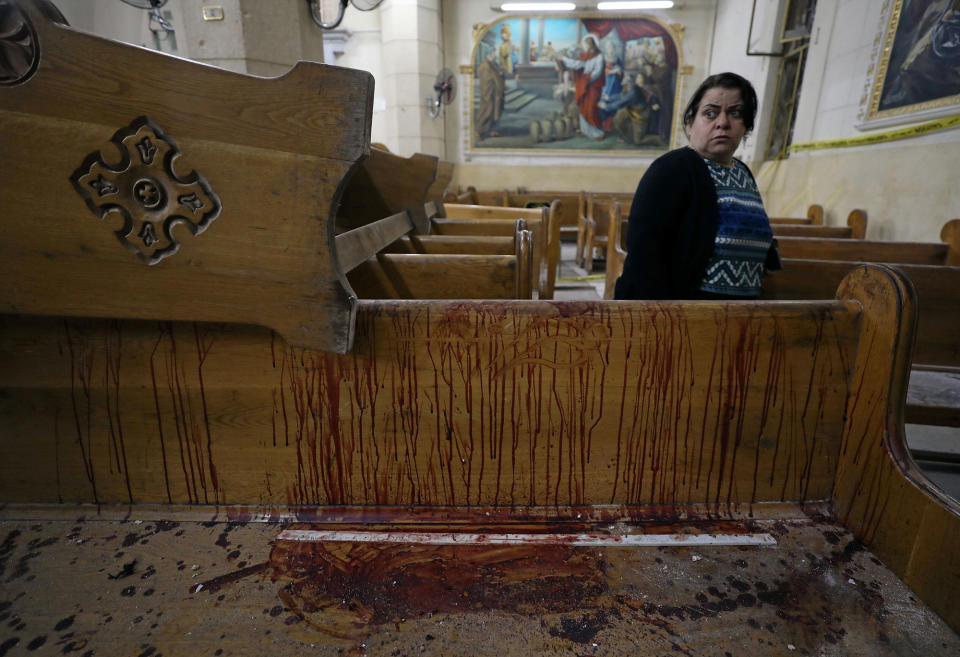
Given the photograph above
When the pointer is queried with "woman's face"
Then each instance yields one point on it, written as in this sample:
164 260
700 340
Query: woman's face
718 127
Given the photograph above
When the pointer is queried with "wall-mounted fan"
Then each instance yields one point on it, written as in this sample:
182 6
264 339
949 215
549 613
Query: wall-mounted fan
445 90
153 6
317 12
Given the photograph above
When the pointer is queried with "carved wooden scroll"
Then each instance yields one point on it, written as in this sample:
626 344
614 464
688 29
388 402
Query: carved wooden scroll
19 51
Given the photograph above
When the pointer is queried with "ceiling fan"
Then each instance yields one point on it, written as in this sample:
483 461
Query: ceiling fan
316 12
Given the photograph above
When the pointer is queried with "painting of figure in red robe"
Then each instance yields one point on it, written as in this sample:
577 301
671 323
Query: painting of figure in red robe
574 83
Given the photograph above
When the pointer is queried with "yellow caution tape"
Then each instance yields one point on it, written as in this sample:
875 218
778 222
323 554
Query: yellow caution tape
880 137
572 279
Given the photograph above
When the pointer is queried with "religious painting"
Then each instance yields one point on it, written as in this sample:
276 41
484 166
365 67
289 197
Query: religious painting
574 83
919 65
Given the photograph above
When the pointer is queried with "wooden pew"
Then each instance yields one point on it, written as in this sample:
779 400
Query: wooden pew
542 221
856 228
498 197
467 196
462 211
616 254
522 198
937 348
569 221
814 217
946 252
143 190
468 472
437 190
453 244
448 276
602 213
637 422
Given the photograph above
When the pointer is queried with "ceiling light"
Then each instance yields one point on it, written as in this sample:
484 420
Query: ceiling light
538 6
639 4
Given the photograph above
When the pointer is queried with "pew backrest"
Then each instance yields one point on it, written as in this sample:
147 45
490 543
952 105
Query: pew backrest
644 411
447 276
938 340
856 228
386 184
453 244
616 254
542 221
814 217
603 212
857 250
438 188
119 180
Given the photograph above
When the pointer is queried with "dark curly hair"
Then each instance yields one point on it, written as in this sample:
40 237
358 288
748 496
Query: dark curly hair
725 81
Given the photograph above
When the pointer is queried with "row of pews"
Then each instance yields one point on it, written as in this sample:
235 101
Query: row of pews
933 268
816 257
211 444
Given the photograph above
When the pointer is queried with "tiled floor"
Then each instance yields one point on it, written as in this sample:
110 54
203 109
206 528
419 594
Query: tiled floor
573 282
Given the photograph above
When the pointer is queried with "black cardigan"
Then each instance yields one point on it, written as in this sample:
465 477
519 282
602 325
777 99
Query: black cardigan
672 230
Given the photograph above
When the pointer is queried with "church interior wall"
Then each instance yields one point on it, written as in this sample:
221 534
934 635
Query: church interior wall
362 49
570 171
906 186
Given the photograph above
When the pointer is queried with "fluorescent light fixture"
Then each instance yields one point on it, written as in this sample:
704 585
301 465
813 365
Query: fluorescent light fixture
538 6
639 4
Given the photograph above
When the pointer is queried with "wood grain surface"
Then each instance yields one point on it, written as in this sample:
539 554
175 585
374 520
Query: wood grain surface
274 154
938 307
880 493
438 403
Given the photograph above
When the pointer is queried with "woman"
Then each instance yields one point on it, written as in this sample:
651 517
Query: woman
697 226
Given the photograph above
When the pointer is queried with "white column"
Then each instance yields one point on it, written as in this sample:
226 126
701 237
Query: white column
411 59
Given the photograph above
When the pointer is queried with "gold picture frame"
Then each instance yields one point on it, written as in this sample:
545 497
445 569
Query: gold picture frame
917 68
520 100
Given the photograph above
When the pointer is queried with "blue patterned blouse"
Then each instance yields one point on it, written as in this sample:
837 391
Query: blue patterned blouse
743 234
